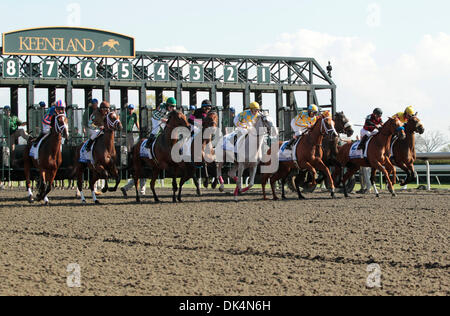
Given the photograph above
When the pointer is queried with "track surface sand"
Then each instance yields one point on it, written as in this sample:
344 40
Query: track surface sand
211 245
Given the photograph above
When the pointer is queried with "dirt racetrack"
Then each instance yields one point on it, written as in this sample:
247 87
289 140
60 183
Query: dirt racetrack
212 246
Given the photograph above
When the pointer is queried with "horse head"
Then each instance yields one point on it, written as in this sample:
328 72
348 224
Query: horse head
264 121
343 125
211 120
414 126
177 119
60 125
112 122
327 125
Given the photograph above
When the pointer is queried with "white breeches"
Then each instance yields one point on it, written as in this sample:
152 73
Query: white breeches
155 126
46 129
365 132
93 133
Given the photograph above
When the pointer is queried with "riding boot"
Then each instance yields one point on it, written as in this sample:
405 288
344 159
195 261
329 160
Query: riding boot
150 141
290 144
38 139
89 145
363 142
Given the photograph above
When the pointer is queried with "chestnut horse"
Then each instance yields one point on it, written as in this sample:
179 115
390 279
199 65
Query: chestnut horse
329 149
309 156
50 158
105 159
163 160
200 160
377 156
403 153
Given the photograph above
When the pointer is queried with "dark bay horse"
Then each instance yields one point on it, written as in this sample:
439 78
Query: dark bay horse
163 161
200 161
403 153
50 158
309 155
105 158
377 155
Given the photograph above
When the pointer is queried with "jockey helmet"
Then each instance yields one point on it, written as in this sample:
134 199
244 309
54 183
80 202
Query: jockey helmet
105 105
42 104
206 104
171 102
255 106
313 108
233 110
131 107
6 108
378 111
410 110
94 101
60 104
192 108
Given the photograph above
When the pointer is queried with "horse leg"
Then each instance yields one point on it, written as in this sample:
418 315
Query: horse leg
174 189
281 173
116 175
383 170
27 171
306 165
406 169
196 182
264 179
391 170
240 170
42 186
252 179
283 192
94 179
183 180
322 167
219 176
136 185
372 181
153 183
345 177
80 173
52 175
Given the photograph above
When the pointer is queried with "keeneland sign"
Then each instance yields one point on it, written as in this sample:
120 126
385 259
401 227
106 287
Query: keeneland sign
68 41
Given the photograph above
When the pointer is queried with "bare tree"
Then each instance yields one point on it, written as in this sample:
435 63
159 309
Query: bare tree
431 141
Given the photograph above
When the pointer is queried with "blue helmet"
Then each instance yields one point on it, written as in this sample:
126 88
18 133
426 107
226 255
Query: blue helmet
233 110
94 101
42 104
192 108
131 107
6 108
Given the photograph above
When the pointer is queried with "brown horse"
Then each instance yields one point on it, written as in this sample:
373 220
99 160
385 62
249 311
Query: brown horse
309 156
163 160
404 151
377 156
105 158
50 158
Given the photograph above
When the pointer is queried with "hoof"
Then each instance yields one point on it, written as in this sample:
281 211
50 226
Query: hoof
97 202
284 198
377 195
125 195
30 199
394 194
104 190
221 189
138 201
83 202
46 203
276 198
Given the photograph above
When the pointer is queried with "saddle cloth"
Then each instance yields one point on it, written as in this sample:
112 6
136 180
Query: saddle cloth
85 156
359 154
34 150
145 152
285 154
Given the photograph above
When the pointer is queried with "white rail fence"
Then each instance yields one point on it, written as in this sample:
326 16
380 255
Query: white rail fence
427 157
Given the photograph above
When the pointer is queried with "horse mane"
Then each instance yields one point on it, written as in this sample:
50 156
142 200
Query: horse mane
176 115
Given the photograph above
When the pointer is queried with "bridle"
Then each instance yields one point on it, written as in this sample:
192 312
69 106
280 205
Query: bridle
324 130
59 128
111 124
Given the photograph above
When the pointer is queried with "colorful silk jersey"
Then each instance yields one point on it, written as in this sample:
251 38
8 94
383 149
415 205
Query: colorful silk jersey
246 119
401 117
47 120
303 120
372 123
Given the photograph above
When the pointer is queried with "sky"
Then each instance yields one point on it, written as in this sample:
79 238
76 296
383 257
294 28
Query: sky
387 54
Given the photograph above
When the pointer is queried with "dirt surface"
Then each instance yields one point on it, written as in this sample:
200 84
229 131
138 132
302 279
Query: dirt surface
211 245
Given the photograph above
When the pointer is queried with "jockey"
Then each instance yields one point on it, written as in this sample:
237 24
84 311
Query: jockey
303 122
159 116
247 119
405 116
200 114
371 126
97 123
57 109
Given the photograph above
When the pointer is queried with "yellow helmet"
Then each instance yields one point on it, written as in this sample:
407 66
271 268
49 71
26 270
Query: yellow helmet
410 110
254 106
313 108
